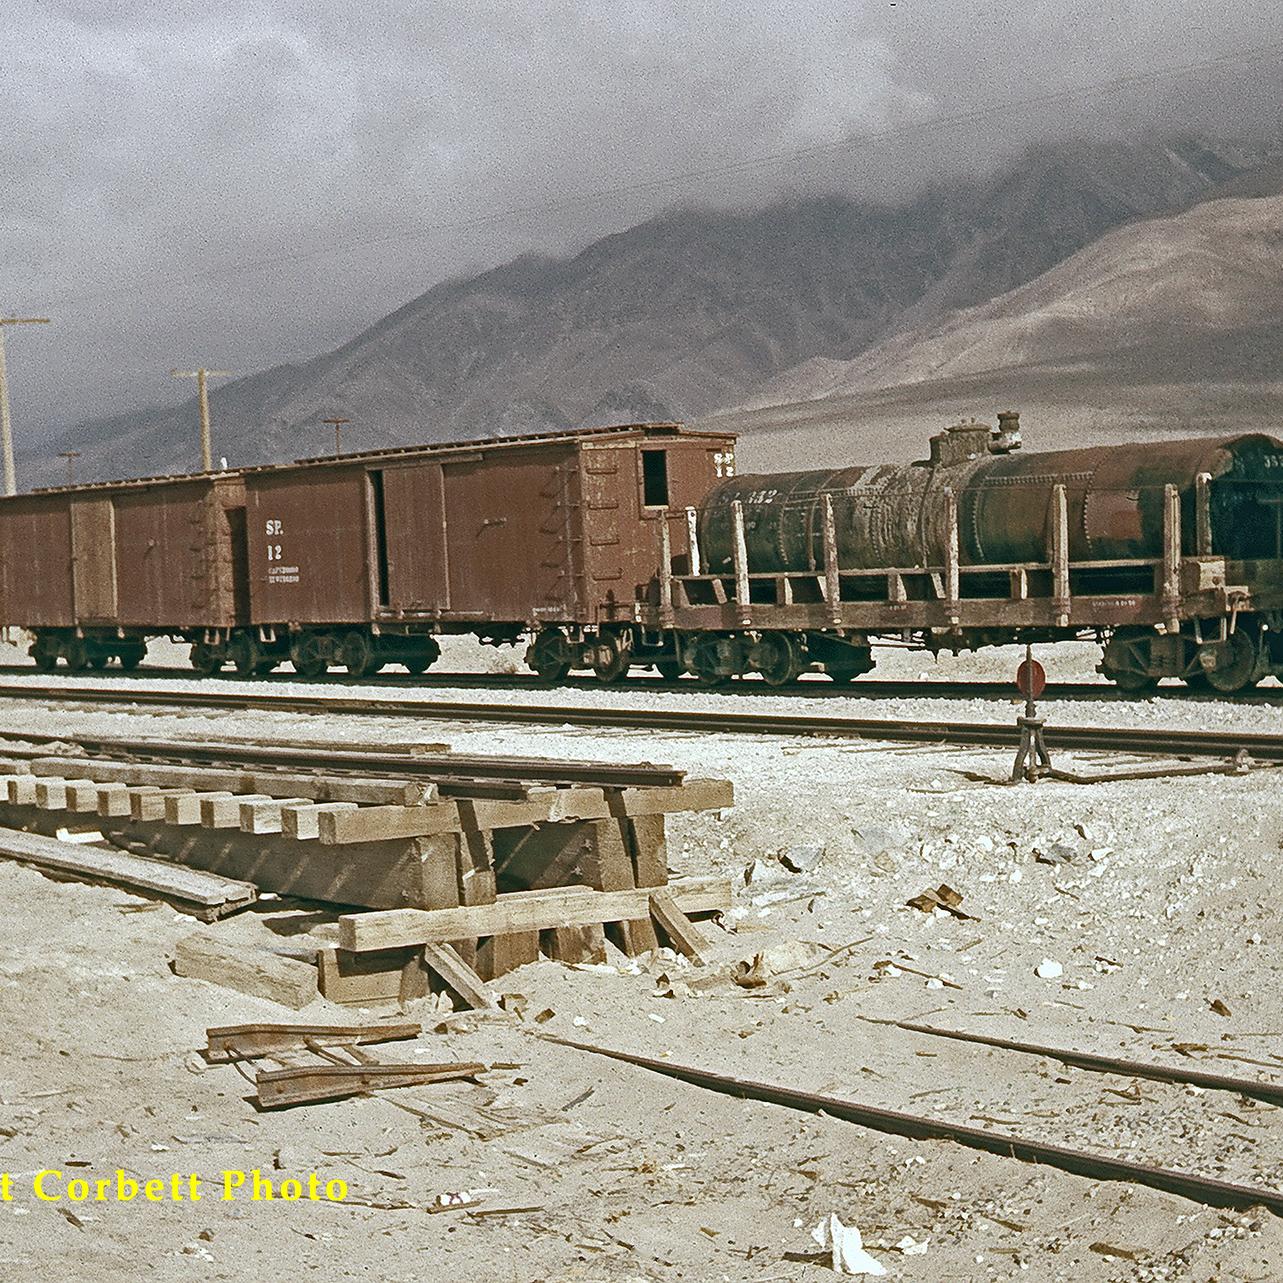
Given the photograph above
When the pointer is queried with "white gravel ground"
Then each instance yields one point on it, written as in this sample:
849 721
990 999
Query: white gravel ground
1160 909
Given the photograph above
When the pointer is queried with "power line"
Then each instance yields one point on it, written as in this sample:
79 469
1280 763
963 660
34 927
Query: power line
682 178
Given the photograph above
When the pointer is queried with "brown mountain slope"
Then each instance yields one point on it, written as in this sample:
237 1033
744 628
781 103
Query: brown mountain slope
682 315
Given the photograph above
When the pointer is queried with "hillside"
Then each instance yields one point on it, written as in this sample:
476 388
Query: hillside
681 316
1195 295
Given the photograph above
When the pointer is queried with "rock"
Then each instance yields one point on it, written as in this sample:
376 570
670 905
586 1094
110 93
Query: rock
874 839
802 859
1049 969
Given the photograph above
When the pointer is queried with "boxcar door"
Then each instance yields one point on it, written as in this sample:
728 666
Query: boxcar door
607 482
414 538
93 559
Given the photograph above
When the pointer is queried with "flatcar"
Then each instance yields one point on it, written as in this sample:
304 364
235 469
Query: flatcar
639 545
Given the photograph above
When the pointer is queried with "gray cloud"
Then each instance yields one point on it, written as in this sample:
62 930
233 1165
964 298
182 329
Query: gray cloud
239 184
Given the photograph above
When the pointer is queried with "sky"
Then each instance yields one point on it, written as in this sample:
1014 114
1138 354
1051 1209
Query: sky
237 185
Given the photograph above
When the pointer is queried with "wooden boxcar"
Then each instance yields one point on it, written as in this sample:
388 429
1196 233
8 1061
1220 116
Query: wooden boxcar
93 571
358 561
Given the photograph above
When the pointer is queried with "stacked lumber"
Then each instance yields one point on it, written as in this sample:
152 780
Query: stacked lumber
471 865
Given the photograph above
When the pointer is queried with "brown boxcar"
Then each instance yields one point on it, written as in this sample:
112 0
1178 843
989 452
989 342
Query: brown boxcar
93 571
359 560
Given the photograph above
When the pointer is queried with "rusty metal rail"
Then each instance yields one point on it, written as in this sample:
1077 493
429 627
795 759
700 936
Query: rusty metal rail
812 686
1145 740
1200 1189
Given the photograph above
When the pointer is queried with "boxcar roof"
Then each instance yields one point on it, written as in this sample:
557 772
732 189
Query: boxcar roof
569 436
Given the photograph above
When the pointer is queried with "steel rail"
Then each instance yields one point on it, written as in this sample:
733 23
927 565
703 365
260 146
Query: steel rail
1201 1189
807 687
504 773
1145 740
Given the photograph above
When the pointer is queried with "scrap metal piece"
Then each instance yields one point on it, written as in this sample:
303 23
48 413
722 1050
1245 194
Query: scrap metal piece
1200 1189
230 1043
308 1083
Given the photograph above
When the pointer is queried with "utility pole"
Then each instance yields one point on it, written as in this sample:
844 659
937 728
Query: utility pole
71 456
6 425
202 376
338 434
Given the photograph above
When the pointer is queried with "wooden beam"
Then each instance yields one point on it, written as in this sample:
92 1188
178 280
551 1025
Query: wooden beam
304 821
184 808
537 911
264 815
246 969
316 788
225 812
739 547
458 976
682 933
832 577
100 864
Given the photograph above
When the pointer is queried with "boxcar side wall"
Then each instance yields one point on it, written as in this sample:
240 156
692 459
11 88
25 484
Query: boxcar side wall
307 544
35 562
628 489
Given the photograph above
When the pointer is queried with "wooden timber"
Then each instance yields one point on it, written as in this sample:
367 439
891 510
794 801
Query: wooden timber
522 912
255 971
204 894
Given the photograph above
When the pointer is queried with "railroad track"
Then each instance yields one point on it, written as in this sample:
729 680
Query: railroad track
1146 740
810 687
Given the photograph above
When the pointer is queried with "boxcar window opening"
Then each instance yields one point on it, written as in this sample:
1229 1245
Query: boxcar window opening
655 478
380 535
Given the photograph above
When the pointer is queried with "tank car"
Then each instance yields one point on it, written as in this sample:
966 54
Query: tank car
1169 553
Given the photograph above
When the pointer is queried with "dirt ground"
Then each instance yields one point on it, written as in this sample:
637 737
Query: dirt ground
1157 900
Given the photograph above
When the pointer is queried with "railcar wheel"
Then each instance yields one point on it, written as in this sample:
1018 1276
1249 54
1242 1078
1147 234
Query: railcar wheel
842 674
131 657
426 656
612 658
76 653
99 662
703 661
669 669
1238 665
546 655
245 653
309 655
1132 682
356 654
44 650
205 659
778 658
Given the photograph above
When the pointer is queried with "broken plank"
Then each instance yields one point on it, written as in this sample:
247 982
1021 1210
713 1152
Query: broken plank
247 969
460 977
531 911
682 933
99 864
358 978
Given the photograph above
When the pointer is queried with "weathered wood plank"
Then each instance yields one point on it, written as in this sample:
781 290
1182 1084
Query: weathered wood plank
530 911
458 976
265 816
302 822
184 808
225 812
369 977
255 971
316 788
683 935
99 864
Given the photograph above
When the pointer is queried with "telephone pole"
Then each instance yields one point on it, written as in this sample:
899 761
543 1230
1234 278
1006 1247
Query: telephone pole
6 425
338 434
71 456
202 376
